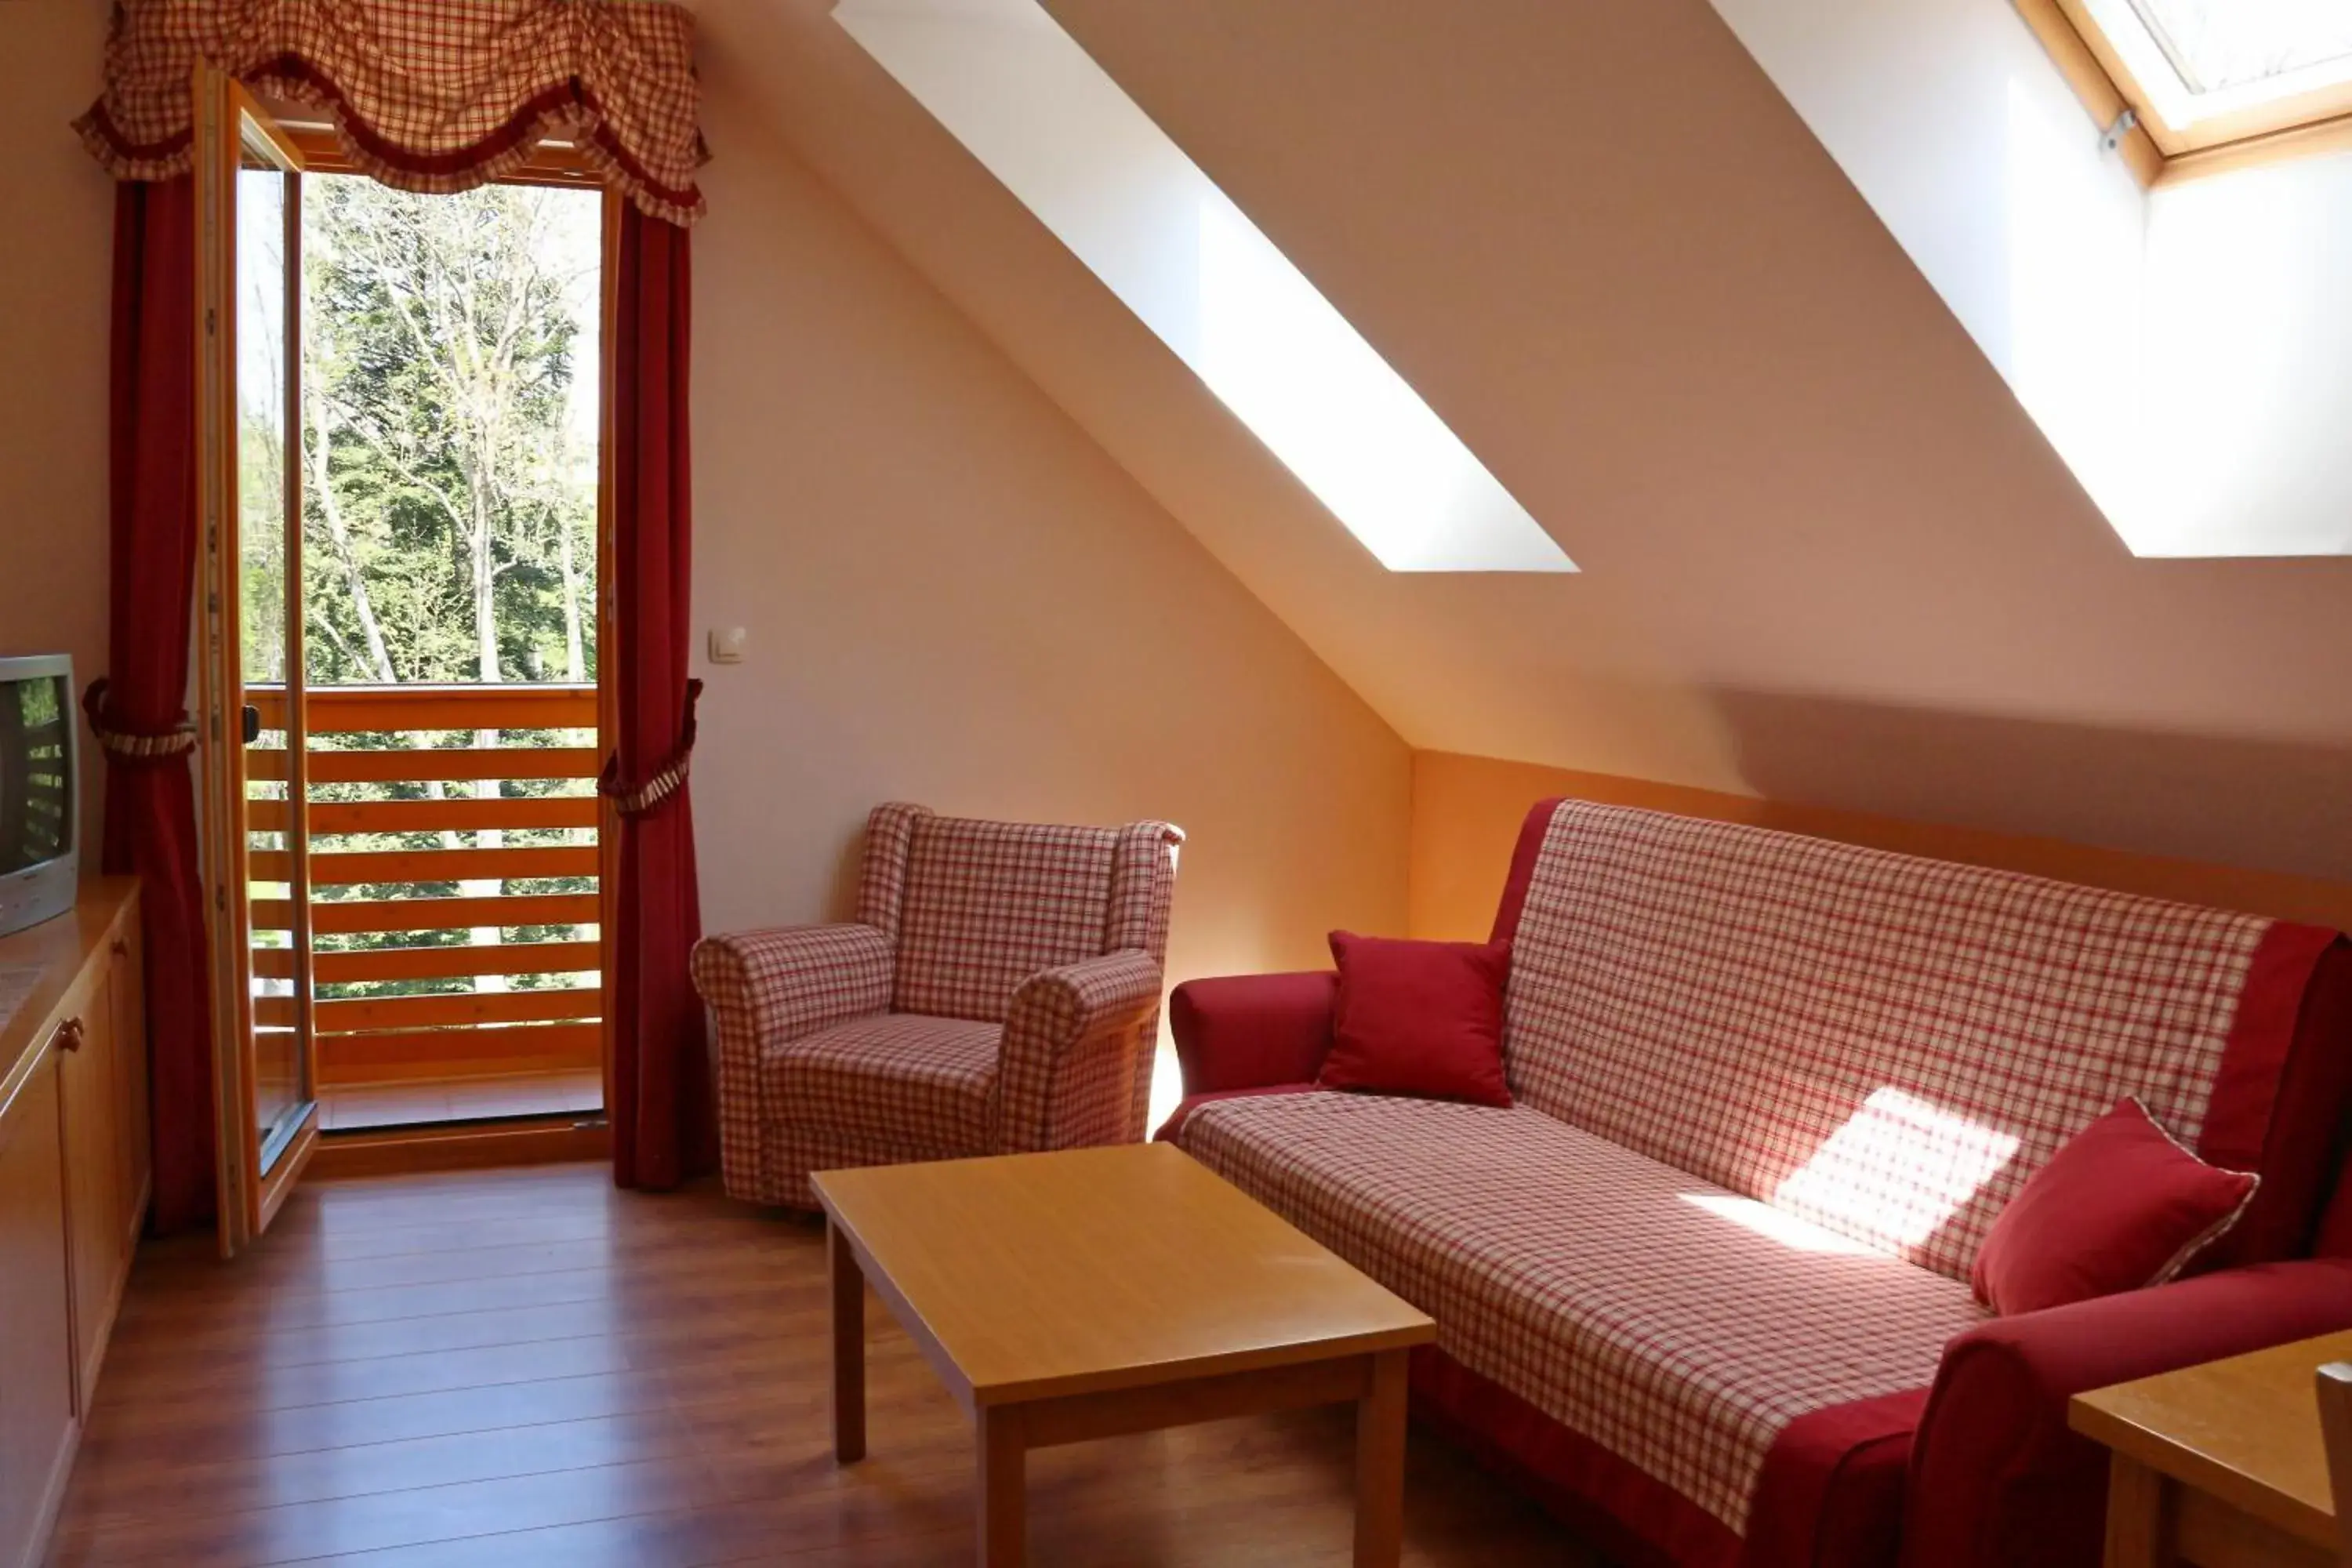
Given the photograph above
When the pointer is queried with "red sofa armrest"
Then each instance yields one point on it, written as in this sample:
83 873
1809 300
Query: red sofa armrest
1999 1480
1252 1031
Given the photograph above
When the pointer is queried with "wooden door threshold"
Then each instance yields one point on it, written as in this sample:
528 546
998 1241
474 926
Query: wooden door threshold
397 1151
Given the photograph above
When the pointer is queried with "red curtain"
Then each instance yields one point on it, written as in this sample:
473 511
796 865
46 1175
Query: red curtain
664 1129
151 807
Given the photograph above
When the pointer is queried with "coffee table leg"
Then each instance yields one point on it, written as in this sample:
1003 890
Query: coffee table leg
1003 1485
848 1348
2136 1532
1379 1464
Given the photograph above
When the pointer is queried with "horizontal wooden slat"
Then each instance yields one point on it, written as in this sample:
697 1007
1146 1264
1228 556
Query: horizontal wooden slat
438 1011
457 961
351 710
344 917
432 1054
346 867
454 962
451 763
460 813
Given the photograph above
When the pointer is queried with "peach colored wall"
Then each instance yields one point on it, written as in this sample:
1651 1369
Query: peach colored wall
953 597
1827 556
1466 813
55 228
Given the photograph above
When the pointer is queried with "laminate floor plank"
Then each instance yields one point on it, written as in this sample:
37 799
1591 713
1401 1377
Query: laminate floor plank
212 1312
295 1309
508 1369
606 1338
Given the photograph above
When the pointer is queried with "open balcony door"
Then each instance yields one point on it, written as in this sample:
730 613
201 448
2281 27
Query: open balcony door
248 176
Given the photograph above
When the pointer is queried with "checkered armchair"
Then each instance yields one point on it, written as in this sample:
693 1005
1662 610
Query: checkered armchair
998 992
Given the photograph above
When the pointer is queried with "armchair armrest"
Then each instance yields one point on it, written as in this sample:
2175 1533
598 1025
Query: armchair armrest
764 987
790 981
1997 1478
1252 1031
1074 1037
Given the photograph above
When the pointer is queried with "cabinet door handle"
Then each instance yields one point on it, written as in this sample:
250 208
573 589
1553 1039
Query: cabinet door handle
70 1033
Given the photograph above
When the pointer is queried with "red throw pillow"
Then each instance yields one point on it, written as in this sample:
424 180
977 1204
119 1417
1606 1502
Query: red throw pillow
1423 1019
2121 1207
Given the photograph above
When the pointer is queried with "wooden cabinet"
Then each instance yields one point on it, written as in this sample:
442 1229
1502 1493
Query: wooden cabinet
127 1009
90 1070
73 1188
37 1419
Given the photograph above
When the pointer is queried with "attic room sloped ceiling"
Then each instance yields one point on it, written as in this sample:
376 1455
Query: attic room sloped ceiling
1826 555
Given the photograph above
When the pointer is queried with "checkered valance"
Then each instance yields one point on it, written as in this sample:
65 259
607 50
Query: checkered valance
426 95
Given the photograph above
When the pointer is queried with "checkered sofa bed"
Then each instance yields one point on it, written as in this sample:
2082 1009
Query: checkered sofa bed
1704 1285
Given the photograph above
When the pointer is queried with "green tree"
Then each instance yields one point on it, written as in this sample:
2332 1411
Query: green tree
450 494
454 504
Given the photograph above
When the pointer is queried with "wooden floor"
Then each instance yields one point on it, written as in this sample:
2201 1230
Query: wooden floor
356 1107
526 1369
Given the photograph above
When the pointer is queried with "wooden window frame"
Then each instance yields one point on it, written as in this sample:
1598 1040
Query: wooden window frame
549 164
2158 153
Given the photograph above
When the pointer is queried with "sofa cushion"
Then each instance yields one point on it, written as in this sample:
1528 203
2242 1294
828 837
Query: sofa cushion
1418 1017
1887 1045
1675 1323
2121 1207
900 1078
989 904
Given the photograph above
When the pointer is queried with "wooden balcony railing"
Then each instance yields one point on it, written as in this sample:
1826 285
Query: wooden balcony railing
453 872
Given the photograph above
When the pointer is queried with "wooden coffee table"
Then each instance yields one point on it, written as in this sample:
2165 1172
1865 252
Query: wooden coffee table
1097 1292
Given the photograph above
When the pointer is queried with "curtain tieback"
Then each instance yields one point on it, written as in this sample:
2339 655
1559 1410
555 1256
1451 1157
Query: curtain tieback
665 780
134 746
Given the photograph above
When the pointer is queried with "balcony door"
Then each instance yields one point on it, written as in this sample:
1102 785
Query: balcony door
400 401
248 290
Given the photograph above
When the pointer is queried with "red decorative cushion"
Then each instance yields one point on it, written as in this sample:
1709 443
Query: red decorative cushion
2121 1207
1423 1019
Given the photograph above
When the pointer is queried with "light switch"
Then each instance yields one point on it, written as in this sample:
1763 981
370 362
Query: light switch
728 643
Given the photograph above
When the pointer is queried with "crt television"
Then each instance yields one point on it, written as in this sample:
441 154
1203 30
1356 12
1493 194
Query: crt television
40 809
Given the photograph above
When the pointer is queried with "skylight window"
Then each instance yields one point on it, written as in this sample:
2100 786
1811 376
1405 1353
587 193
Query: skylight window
2216 45
1026 101
2206 83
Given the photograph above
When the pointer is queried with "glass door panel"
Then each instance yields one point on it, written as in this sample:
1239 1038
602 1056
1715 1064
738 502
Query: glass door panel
250 198
266 200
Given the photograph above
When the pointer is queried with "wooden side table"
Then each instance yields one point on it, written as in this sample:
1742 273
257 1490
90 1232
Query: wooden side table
2222 1466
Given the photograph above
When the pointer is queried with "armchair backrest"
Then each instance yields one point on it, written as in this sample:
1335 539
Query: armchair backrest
972 909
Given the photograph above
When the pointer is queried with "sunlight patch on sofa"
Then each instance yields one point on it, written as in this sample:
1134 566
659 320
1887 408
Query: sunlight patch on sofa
1899 1168
1792 1231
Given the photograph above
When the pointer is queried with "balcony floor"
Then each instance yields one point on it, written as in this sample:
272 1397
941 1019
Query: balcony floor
345 1108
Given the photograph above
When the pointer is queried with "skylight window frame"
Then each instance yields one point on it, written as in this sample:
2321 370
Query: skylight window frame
2160 149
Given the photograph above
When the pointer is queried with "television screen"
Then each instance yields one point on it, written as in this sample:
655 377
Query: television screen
36 803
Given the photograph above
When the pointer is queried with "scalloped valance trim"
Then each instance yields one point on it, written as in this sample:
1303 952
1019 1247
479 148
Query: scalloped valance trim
426 95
